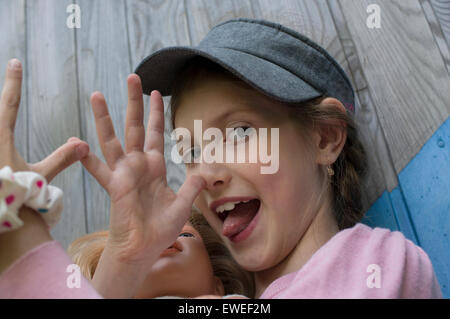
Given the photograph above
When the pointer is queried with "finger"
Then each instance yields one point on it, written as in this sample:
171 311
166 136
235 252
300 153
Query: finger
60 159
98 169
109 143
10 98
154 139
186 196
134 125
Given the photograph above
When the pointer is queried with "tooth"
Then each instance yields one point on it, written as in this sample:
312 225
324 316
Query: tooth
226 206
229 206
219 209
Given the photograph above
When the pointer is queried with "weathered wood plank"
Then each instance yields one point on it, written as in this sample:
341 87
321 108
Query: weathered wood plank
381 174
405 73
13 44
205 14
439 23
442 10
103 65
53 113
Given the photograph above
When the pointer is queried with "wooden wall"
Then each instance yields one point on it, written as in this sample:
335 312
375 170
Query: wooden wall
400 73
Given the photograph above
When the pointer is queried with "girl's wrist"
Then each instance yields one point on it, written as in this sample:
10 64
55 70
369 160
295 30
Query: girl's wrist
114 278
16 243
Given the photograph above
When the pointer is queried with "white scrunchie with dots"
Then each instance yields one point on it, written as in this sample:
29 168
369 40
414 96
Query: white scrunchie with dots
32 190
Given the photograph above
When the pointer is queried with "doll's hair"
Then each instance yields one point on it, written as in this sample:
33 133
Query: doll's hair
350 167
235 279
85 251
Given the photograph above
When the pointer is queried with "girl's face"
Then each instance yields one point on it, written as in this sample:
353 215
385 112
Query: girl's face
183 270
274 221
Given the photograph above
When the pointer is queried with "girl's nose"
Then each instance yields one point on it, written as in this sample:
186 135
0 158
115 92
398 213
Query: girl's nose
216 175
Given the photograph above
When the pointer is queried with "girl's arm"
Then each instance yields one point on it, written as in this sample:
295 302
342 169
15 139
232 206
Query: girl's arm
17 243
31 264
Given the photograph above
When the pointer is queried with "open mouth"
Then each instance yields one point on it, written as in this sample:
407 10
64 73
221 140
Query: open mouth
173 249
236 217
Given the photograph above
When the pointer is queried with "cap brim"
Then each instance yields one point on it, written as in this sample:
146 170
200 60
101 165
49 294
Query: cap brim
159 70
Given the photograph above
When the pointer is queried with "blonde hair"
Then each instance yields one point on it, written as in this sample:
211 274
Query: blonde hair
350 167
86 251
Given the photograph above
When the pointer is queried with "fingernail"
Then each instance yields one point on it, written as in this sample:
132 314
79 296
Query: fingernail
14 64
72 139
82 150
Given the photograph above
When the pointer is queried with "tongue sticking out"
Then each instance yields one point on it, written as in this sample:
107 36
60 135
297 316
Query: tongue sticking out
239 218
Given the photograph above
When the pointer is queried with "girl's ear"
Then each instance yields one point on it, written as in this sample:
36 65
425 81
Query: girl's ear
331 135
219 290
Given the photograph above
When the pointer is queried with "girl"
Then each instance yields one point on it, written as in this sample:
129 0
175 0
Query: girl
202 267
297 230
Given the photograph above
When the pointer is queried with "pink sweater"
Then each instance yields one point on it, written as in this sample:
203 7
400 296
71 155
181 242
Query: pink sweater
359 262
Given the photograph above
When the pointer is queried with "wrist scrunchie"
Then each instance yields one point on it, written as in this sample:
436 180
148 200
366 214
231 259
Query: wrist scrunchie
32 190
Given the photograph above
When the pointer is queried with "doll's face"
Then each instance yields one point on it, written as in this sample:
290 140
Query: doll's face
266 230
182 270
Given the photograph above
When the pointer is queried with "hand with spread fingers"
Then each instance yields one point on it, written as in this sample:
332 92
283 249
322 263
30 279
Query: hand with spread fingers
73 150
146 216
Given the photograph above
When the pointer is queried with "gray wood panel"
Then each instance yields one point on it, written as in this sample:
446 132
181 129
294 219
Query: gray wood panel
438 18
381 175
53 113
405 73
205 14
103 65
442 10
13 44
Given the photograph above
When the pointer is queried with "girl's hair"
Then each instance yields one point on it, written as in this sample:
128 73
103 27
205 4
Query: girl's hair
86 251
351 165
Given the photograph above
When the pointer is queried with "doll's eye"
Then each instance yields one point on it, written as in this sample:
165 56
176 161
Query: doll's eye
186 235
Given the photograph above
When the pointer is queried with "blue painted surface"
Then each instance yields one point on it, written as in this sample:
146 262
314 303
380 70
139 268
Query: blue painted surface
420 206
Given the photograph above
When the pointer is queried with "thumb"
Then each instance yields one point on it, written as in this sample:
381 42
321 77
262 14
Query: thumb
72 151
187 193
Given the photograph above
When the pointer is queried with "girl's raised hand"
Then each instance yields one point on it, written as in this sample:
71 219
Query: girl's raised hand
146 215
52 165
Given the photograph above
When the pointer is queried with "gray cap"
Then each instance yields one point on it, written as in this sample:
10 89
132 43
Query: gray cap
275 60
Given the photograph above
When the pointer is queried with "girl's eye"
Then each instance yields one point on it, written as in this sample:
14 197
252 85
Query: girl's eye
240 134
191 154
186 235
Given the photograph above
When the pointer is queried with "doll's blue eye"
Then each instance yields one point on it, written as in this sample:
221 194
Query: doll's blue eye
186 235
